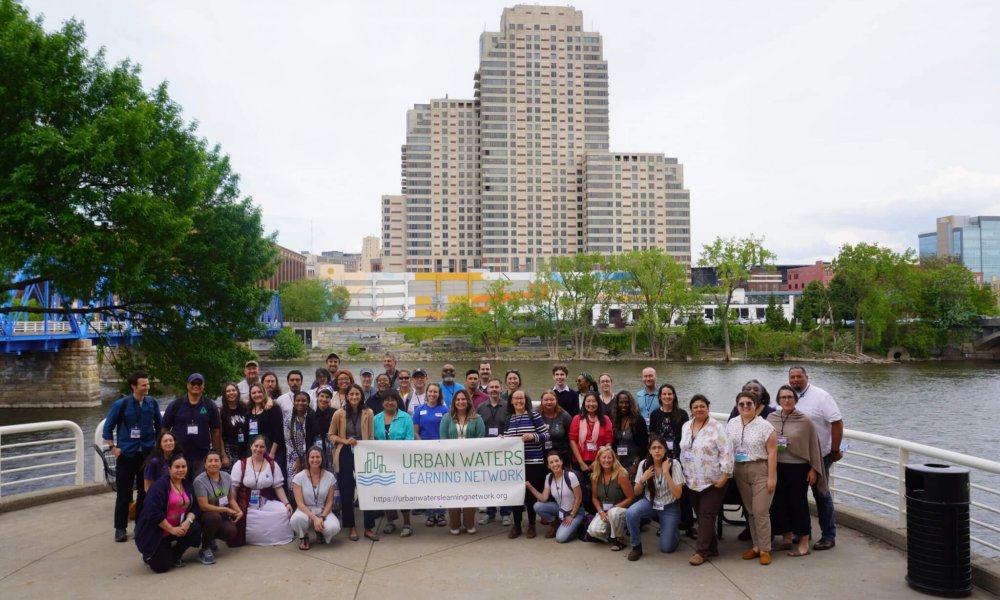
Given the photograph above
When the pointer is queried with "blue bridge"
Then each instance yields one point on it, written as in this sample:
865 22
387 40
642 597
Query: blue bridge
23 331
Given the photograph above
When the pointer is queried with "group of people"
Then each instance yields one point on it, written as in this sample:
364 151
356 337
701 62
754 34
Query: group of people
268 467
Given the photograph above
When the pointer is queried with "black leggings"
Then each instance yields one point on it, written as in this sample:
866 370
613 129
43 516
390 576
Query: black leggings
790 507
535 474
172 548
347 485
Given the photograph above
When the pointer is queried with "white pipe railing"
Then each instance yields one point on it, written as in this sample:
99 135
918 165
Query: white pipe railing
40 466
901 449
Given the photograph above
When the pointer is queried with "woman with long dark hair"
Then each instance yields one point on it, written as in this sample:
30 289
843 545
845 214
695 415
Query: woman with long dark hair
351 423
658 482
314 488
155 466
297 434
168 524
462 422
258 490
233 416
265 421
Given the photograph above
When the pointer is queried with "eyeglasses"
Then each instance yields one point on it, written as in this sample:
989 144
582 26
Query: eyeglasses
401 378
745 404
452 371
197 383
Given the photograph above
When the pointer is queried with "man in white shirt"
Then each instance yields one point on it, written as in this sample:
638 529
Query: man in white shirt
822 410
251 375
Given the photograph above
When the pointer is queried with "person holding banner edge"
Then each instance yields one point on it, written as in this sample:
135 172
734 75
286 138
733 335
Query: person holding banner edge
352 422
462 422
394 424
531 428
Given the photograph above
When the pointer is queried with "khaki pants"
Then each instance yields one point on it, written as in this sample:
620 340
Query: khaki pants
614 527
751 480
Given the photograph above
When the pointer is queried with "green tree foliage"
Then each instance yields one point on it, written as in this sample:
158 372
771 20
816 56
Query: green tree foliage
733 258
287 344
656 284
307 301
542 303
774 316
491 324
949 299
583 287
107 193
340 298
875 283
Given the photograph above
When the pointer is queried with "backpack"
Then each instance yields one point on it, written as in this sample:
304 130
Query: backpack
123 406
174 407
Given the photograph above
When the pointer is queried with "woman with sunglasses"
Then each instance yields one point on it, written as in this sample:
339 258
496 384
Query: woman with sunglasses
755 448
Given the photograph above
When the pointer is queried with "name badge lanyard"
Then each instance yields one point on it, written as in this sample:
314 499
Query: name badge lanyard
559 492
315 489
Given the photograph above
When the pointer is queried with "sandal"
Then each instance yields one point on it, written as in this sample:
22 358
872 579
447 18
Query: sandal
441 521
353 536
304 544
617 546
431 521
389 528
406 531
797 553
371 535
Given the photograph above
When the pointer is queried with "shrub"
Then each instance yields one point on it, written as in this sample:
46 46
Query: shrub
287 345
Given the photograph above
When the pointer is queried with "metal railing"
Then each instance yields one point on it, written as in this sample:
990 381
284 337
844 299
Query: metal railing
884 468
37 465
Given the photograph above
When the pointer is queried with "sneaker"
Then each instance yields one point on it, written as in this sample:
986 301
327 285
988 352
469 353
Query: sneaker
507 520
485 519
470 530
121 535
206 557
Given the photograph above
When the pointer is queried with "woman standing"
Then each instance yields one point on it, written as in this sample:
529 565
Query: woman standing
296 432
512 378
211 488
612 494
258 490
313 488
264 421
318 424
167 526
352 423
589 431
559 423
462 422
233 416
755 448
427 426
585 383
531 428
607 397
565 510
631 435
343 379
800 466
707 458
659 480
155 466
394 424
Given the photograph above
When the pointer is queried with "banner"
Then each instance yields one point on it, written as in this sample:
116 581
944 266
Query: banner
440 473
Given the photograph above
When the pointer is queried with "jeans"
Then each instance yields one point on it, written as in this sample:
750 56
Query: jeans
550 510
669 516
492 511
824 505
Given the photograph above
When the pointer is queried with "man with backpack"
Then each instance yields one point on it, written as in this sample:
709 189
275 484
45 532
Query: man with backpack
130 431
194 421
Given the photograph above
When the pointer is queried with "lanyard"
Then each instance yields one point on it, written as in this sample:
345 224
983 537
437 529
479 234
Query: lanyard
315 488
256 473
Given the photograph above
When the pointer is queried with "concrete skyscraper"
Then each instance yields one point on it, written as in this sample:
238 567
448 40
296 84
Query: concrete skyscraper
522 171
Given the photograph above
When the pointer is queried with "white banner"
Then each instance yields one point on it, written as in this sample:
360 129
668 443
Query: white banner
440 473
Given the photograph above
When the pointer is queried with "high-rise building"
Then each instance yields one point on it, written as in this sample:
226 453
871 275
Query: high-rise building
522 171
975 241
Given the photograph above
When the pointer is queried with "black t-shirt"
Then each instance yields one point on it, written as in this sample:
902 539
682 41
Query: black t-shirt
192 425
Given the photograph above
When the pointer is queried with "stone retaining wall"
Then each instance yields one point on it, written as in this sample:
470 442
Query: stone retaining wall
69 378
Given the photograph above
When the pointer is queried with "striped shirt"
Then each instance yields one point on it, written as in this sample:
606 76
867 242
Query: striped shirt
530 422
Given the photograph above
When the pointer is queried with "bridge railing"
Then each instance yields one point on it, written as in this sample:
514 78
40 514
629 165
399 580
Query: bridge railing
872 475
35 455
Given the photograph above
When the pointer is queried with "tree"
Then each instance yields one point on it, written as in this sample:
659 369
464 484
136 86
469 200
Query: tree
307 301
542 302
733 259
340 298
949 298
492 323
108 194
287 344
656 284
873 281
774 316
583 286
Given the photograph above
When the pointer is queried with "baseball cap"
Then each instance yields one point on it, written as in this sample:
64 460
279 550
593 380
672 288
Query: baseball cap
196 377
418 372
367 371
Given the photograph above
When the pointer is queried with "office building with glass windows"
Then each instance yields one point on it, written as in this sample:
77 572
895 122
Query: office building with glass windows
522 171
975 241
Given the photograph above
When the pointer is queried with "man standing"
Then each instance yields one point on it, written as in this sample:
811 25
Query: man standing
366 383
332 365
472 386
389 364
418 395
567 398
822 410
448 385
195 423
646 397
287 400
485 374
251 375
133 420
494 415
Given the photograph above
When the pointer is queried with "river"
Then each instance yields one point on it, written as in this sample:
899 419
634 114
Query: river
950 405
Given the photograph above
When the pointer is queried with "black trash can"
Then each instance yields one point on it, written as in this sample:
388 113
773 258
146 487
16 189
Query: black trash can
938 553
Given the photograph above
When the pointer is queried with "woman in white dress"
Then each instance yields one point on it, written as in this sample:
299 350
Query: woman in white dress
313 489
258 491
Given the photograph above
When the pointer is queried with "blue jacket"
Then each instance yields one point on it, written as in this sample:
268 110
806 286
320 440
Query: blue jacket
147 526
146 416
401 427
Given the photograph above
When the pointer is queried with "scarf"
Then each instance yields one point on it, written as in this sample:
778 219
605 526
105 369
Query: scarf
585 429
803 441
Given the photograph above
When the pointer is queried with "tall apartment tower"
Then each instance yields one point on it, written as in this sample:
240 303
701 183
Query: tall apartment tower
522 171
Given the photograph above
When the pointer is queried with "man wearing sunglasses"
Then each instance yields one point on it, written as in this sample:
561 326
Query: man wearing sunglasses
194 421
448 385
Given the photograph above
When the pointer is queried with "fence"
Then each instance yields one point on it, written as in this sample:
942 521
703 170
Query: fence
34 466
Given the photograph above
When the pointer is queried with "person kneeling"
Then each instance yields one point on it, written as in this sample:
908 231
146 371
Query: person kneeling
658 479
313 489
218 516
167 526
564 511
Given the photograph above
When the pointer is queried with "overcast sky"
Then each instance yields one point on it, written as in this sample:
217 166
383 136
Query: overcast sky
811 123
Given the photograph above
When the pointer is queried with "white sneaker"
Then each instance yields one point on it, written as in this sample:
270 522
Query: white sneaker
485 519
470 530
507 520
